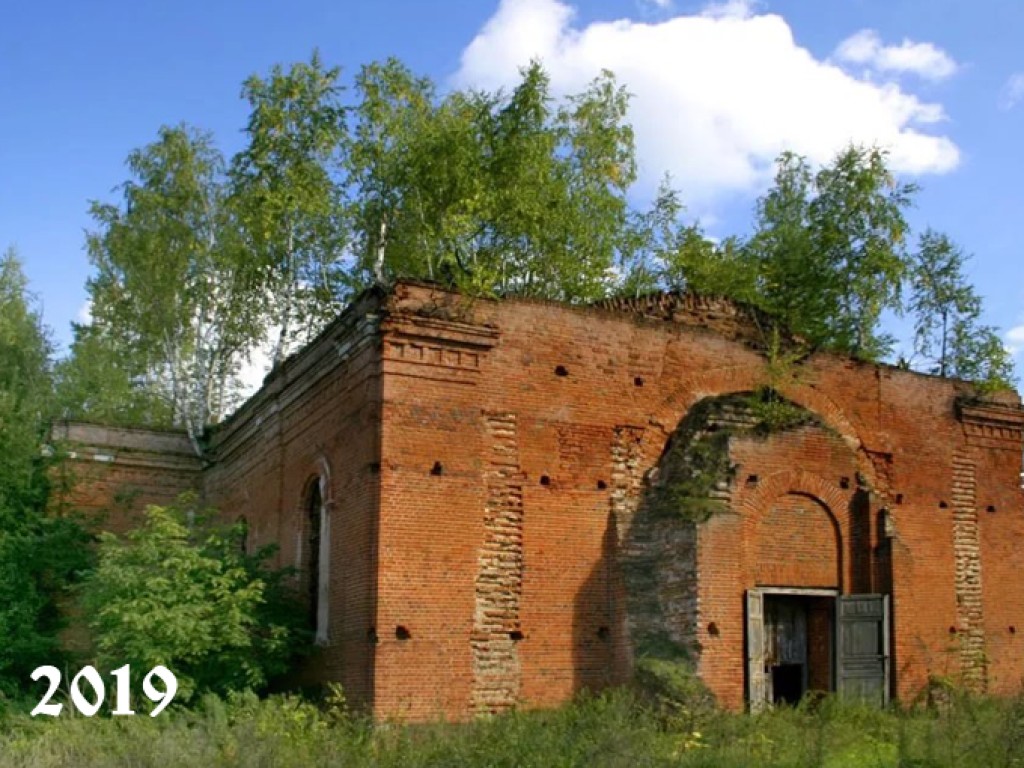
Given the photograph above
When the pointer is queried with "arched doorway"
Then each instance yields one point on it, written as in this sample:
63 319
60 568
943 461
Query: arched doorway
748 525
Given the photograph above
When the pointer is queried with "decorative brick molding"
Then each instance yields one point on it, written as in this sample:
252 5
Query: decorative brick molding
433 348
992 424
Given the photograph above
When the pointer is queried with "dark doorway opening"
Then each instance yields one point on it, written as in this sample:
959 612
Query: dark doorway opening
798 642
787 683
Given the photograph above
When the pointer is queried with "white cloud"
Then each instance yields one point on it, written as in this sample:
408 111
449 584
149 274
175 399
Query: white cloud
1012 92
716 97
658 5
736 9
84 314
1015 341
922 59
256 366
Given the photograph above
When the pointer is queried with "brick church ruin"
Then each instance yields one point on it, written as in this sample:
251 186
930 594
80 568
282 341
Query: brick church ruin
500 503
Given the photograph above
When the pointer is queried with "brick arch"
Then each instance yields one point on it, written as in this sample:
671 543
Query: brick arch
813 558
749 378
318 488
795 481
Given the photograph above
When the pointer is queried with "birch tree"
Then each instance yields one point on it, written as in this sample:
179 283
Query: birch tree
288 200
171 288
949 337
499 193
829 249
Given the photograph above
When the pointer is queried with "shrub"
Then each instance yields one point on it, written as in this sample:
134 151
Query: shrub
179 592
38 560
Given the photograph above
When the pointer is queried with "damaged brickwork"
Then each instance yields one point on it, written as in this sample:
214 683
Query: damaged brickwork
499 582
967 552
489 464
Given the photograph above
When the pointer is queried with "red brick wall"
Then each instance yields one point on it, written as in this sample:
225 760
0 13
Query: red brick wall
318 413
486 460
793 525
898 430
110 474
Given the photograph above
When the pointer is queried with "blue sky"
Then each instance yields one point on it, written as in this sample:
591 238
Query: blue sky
719 90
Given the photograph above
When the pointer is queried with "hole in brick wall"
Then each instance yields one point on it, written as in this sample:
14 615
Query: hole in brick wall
1013 630
943 505
545 480
844 483
638 381
561 370
990 508
713 629
371 634
899 498
752 479
604 633
515 635
712 428
601 485
952 630
437 469
401 633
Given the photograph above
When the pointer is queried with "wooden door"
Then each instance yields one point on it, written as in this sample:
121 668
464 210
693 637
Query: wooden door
862 653
757 684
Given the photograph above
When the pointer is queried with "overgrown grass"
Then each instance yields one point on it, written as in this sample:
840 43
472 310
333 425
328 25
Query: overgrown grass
612 729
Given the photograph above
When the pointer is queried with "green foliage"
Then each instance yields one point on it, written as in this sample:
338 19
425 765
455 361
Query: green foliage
829 249
38 556
38 562
696 467
612 730
101 381
172 314
289 203
25 396
773 412
179 592
495 193
696 464
948 333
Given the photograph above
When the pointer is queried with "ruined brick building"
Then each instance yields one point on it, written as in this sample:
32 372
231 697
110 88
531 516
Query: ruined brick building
496 503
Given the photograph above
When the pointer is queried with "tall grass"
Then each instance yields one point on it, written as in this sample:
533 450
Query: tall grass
613 729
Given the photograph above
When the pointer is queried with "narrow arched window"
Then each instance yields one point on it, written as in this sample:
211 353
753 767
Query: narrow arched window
319 547
242 526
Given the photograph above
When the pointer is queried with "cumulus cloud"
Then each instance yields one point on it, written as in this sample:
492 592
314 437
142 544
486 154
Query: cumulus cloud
922 59
737 9
84 314
658 5
1015 342
255 367
717 95
1012 92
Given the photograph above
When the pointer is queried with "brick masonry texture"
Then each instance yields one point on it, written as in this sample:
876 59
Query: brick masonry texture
488 464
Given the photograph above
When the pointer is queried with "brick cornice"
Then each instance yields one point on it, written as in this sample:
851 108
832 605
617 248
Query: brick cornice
992 425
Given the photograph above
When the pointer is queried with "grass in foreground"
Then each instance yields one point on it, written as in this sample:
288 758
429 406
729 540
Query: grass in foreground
612 729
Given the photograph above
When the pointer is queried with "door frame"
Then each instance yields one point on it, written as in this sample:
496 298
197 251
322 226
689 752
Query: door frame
755 660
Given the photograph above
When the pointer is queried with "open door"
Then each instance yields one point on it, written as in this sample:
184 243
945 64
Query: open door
862 657
757 691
